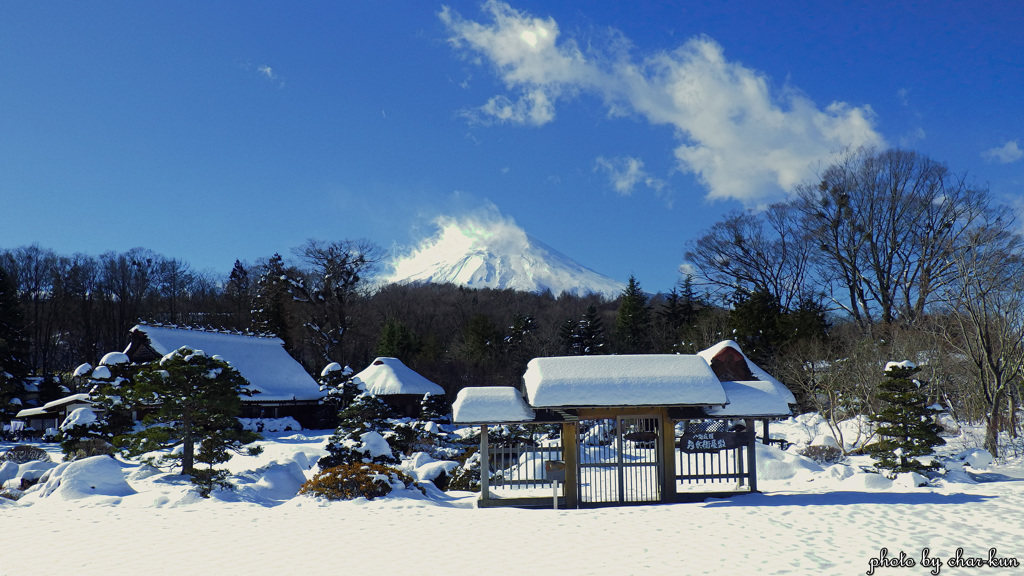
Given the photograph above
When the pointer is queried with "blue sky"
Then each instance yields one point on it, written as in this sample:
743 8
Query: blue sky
613 132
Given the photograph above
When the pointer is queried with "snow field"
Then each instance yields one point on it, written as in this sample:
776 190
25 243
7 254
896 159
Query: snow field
810 519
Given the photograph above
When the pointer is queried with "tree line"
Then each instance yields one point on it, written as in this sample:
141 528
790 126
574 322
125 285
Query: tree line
885 255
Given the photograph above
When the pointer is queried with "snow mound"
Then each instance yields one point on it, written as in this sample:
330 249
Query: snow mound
95 476
421 467
775 464
277 481
826 440
867 481
977 458
910 480
83 416
114 358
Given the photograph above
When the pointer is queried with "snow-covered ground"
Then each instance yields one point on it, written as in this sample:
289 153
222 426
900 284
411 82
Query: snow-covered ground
808 520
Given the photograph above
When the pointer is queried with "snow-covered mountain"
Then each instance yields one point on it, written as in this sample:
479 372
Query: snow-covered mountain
496 253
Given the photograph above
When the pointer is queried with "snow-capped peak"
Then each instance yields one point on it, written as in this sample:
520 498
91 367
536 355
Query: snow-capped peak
495 253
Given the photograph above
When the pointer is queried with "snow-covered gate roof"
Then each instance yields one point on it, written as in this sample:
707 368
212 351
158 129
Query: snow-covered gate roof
625 380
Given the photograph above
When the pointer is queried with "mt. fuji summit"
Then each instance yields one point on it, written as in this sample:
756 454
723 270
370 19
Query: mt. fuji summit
496 254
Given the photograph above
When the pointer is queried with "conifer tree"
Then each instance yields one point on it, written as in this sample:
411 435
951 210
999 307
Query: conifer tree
397 341
584 337
362 434
194 400
633 322
13 347
270 305
339 385
108 385
905 423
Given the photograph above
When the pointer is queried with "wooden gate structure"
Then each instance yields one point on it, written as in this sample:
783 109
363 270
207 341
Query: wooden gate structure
621 430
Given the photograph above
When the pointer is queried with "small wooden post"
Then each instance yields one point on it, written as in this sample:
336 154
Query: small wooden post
485 466
752 455
570 455
766 440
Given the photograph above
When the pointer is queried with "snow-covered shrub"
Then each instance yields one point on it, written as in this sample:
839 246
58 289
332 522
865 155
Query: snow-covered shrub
822 453
90 447
467 476
21 454
351 481
359 438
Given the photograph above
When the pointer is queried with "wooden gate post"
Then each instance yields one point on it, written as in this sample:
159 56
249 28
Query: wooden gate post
570 455
485 464
668 458
751 455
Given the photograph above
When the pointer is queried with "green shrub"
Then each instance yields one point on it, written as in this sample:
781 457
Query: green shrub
351 481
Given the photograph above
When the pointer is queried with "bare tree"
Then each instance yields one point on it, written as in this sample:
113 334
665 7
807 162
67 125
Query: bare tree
750 252
336 271
885 225
986 302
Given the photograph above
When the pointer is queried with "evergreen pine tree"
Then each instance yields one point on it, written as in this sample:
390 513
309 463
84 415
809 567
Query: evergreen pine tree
239 292
756 320
273 293
584 337
633 321
397 341
13 347
194 400
905 423
677 317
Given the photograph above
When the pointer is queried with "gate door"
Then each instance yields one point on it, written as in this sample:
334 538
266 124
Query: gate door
620 460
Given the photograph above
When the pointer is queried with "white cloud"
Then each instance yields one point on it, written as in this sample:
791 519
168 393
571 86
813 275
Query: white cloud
626 172
740 138
1005 154
268 73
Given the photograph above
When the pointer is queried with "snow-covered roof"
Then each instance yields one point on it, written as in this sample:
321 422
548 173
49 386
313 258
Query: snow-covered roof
751 398
262 361
624 380
765 382
387 376
490 405
54 405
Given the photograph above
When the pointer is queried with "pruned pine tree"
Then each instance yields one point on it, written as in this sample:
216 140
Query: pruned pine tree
109 386
633 321
338 383
193 402
361 435
906 426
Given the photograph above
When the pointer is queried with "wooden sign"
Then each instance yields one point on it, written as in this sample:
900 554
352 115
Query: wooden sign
712 441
